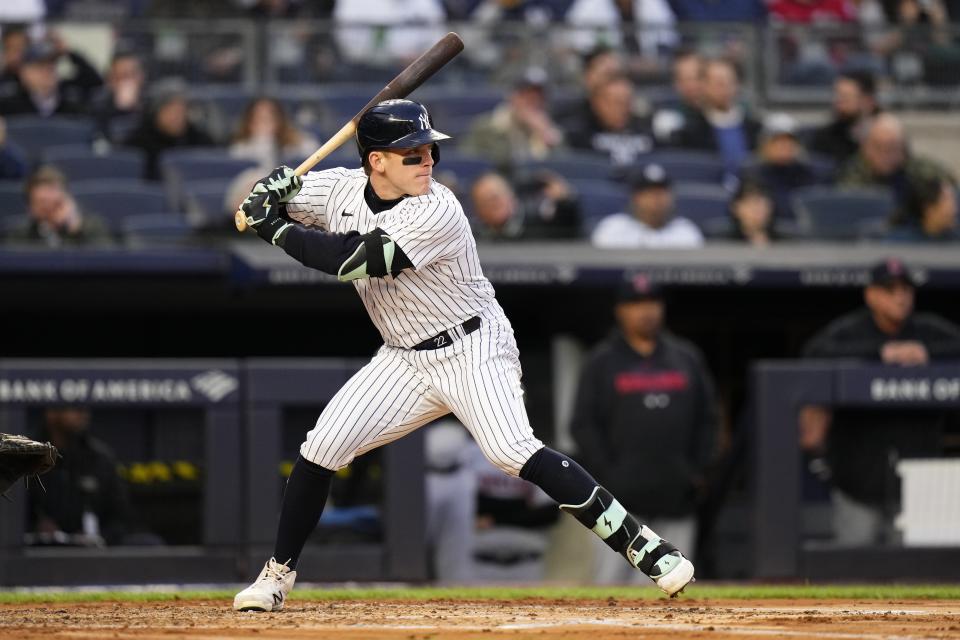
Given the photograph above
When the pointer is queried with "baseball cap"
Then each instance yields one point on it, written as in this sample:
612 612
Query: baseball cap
532 77
41 51
650 175
637 288
891 270
779 124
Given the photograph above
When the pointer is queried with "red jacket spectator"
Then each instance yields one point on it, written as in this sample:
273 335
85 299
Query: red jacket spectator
807 11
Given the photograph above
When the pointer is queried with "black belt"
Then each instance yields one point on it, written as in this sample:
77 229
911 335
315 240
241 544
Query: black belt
444 339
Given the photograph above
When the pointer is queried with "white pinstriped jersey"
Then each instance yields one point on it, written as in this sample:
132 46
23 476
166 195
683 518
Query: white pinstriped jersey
447 285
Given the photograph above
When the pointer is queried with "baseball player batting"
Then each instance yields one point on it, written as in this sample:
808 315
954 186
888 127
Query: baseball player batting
403 241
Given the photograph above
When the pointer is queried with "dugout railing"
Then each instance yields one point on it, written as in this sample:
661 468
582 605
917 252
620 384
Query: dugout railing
273 386
242 404
211 387
780 388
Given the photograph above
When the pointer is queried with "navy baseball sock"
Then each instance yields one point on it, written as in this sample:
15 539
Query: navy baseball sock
303 500
559 476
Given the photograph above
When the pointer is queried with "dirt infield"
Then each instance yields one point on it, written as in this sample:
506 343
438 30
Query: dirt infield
530 618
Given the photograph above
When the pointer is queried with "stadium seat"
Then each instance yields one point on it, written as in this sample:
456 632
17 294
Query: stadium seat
465 167
156 228
116 199
840 214
687 166
574 166
196 164
204 199
34 134
701 203
79 162
11 198
446 104
598 199
179 166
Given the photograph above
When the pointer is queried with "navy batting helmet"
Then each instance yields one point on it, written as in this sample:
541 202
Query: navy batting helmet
396 124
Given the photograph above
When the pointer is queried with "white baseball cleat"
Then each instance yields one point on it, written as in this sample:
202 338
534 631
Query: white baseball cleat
269 590
677 573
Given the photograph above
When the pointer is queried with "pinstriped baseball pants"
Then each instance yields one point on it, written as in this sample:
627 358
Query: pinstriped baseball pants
477 378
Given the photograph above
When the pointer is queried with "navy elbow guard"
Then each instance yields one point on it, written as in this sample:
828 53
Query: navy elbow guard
373 258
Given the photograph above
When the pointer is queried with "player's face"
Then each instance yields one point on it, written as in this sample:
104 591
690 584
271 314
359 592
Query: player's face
640 319
408 171
892 302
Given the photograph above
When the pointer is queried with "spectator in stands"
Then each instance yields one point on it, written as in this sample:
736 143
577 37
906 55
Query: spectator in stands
402 31
55 218
42 92
267 135
669 118
540 207
123 98
936 217
854 105
605 21
166 125
24 11
82 496
812 11
856 447
14 43
884 161
644 385
610 127
713 11
780 168
806 60
650 222
751 214
519 129
13 165
722 125
599 63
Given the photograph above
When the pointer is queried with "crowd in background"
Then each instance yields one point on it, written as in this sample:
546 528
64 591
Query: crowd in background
654 144
598 160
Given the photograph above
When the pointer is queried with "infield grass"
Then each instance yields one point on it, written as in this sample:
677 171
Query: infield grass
703 592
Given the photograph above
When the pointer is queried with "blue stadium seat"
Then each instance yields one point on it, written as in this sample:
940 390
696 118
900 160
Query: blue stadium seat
116 199
79 162
34 134
465 167
445 104
156 228
574 166
598 199
12 202
346 156
195 164
205 198
840 214
687 166
701 203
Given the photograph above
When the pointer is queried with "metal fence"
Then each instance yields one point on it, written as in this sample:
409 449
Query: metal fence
781 64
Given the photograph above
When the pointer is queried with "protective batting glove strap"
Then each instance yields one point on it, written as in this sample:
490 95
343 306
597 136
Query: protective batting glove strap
283 183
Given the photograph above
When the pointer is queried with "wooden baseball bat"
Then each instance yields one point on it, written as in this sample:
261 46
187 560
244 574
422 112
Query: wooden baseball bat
400 87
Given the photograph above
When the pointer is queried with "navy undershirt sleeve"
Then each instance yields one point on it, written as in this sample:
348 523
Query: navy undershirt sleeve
326 251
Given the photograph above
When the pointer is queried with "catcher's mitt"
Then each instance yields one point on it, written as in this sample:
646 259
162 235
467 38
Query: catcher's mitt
20 457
